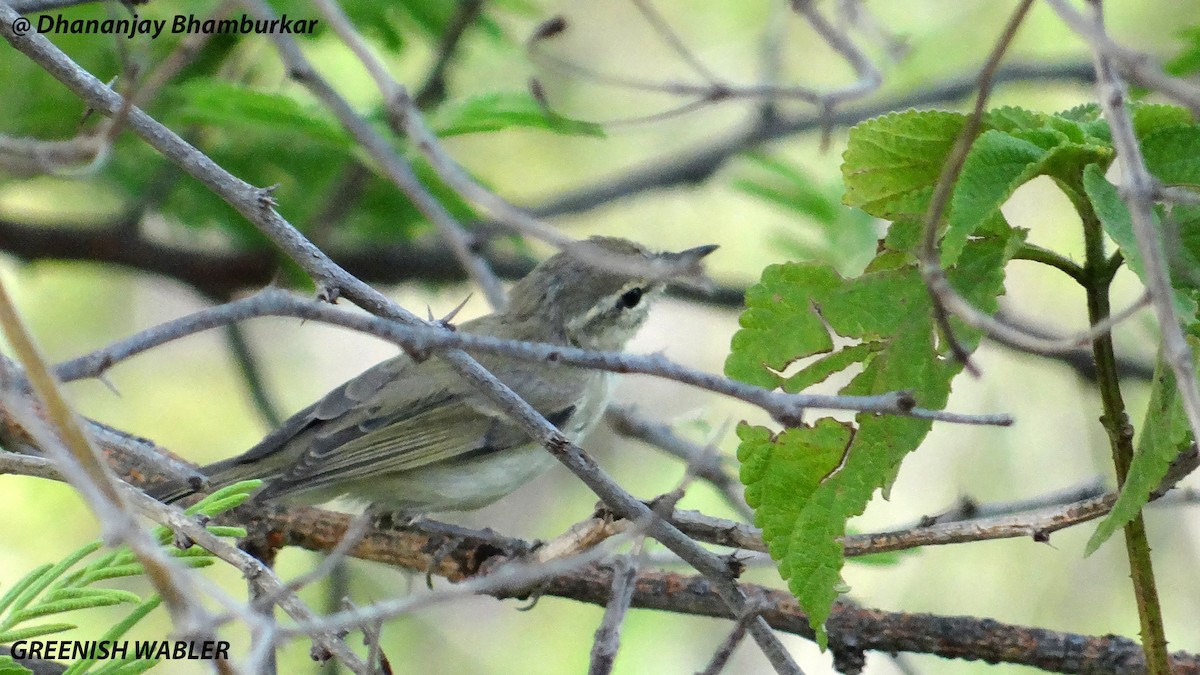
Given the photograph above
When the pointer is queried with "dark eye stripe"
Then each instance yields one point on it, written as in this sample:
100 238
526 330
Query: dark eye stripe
629 299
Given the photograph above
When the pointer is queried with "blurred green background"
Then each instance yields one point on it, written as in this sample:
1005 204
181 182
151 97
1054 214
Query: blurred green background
191 398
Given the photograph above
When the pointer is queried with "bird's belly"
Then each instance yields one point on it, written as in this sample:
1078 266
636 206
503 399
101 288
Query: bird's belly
461 486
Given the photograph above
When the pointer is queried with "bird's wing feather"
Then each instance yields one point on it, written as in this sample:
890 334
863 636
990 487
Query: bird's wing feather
397 416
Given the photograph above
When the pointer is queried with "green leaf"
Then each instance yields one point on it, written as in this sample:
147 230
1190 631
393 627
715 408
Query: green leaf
114 633
35 631
784 185
1165 433
132 667
1115 218
806 482
779 328
997 164
102 596
1173 154
1149 117
823 367
1187 61
25 582
10 667
830 232
233 106
892 162
43 577
68 605
1000 162
504 110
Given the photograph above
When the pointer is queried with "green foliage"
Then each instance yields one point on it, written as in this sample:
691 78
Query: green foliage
805 482
68 586
892 162
1164 434
1187 61
240 109
1118 224
504 110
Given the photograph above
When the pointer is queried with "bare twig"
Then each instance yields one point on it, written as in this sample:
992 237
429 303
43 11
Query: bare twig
392 164
945 298
668 35
64 438
608 634
725 650
423 338
1134 65
1138 191
433 90
256 205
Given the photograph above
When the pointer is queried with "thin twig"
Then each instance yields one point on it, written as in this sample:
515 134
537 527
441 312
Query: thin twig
422 338
668 35
433 90
1134 65
1138 191
332 280
64 438
608 633
393 165
724 651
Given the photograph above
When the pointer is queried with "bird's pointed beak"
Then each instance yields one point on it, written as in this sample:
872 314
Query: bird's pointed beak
685 267
687 263
697 253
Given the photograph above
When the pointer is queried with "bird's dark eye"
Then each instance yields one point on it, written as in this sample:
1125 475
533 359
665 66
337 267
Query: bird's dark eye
630 298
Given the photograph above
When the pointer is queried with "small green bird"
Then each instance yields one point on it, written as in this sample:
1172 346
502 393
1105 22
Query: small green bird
415 437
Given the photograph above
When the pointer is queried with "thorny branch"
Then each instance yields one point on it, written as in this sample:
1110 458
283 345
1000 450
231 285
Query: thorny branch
334 280
423 339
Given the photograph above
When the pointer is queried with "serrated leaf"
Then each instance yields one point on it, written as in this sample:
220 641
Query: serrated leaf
233 106
504 110
1011 118
823 367
1173 154
805 455
1165 433
778 329
892 162
1118 224
1149 117
804 494
1000 162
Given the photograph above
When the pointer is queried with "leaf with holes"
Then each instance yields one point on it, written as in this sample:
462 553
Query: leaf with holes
805 482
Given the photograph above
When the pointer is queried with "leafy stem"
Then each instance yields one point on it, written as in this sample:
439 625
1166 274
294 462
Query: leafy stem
1036 253
1099 271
